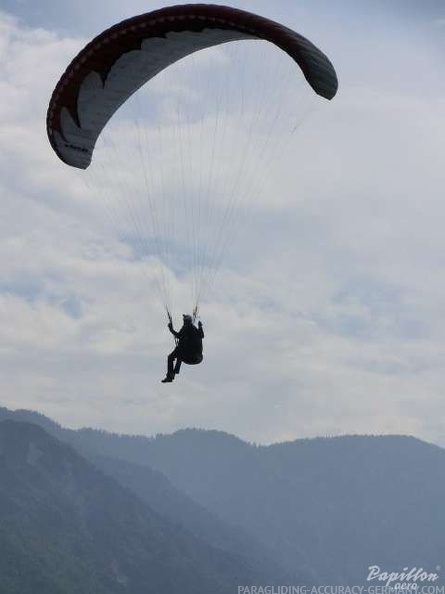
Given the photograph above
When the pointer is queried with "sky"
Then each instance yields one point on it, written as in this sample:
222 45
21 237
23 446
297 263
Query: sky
327 316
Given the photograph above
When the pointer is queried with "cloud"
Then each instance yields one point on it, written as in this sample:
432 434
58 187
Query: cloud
326 315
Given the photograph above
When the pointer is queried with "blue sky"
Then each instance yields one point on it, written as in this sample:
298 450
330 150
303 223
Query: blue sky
327 316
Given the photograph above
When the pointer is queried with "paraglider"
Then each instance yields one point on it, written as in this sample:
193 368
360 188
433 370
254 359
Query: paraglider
188 347
123 59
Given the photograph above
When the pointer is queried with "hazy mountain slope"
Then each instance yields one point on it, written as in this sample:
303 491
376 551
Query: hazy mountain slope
160 494
342 503
157 491
326 507
66 527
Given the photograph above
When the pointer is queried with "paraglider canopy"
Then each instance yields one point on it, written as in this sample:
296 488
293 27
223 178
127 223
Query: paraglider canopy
176 182
123 58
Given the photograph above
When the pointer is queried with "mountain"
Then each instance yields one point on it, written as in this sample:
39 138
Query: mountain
108 453
159 493
342 504
65 527
326 509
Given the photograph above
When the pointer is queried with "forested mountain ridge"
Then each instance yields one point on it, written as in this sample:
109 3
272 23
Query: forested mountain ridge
326 508
65 527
